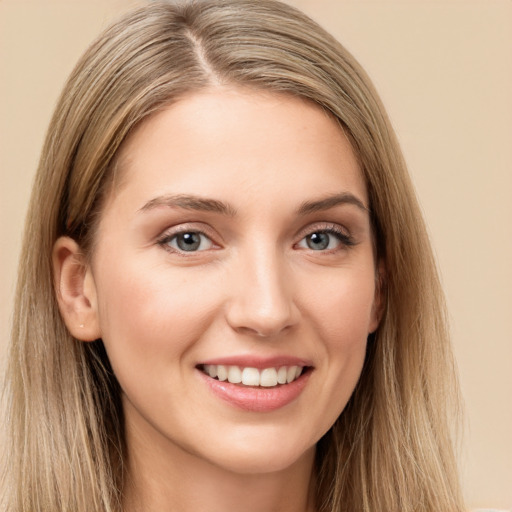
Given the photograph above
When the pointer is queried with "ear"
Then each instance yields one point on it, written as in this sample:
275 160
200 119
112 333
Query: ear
378 300
75 290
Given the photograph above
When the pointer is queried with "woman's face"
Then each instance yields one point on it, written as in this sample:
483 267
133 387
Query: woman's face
236 246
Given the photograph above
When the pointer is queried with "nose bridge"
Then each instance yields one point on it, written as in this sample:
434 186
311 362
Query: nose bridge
262 301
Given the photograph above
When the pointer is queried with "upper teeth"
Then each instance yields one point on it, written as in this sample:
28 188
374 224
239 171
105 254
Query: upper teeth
268 377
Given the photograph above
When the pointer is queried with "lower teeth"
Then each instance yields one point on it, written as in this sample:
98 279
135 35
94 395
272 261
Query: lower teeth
251 385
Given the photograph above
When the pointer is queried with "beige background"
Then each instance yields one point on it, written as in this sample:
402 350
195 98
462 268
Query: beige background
444 70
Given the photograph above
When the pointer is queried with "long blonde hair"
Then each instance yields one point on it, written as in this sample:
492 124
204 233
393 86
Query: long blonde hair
391 448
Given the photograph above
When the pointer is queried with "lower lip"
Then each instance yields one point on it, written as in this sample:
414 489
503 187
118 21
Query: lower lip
256 399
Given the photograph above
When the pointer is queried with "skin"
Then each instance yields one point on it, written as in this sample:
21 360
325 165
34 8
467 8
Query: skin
253 288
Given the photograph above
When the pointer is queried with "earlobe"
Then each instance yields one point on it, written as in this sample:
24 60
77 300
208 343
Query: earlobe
75 290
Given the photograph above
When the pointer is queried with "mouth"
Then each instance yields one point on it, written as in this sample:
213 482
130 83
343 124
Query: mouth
271 377
256 384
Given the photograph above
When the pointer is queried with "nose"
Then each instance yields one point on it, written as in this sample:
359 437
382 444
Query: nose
262 303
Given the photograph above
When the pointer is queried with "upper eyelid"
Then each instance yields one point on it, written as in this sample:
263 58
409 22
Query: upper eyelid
187 227
322 226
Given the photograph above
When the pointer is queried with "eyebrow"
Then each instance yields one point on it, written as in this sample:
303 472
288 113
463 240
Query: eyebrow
197 203
189 202
330 202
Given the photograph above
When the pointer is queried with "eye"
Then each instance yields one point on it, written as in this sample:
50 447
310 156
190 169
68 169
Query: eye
187 241
325 240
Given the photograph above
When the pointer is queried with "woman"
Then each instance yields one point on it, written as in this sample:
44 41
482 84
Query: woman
227 295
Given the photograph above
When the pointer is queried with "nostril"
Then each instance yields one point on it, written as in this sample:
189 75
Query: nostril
260 332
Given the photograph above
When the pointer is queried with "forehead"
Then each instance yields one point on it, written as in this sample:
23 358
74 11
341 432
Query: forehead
232 139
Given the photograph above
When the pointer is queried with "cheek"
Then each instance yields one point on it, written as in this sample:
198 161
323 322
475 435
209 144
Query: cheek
342 315
351 322
152 318
343 307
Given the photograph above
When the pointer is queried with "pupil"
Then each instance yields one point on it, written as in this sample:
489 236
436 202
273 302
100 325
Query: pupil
189 241
318 241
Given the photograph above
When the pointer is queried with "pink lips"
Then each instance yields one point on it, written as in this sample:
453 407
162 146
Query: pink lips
257 399
258 362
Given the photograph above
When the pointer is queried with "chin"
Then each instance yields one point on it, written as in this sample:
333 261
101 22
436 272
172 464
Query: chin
262 458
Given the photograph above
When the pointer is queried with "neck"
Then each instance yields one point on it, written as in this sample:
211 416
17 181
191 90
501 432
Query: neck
164 477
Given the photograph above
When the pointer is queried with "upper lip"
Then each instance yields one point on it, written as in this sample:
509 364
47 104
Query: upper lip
258 362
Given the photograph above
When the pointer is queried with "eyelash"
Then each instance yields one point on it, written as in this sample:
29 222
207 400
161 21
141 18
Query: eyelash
346 241
167 238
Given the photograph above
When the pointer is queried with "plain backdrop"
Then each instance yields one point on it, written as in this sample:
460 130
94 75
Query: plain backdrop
444 71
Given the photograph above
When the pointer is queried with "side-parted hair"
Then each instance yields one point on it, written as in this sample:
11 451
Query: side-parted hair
391 448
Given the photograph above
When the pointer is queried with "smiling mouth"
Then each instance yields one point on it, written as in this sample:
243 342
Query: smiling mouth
253 377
